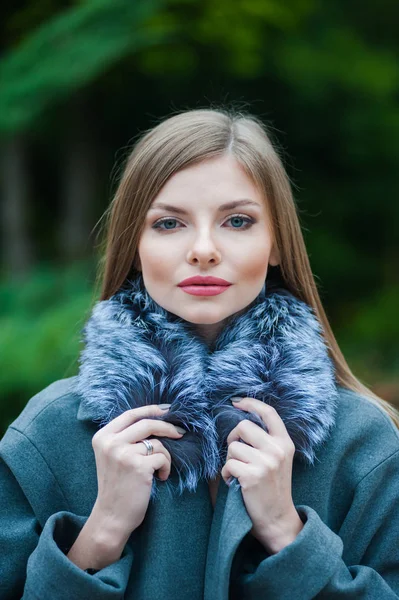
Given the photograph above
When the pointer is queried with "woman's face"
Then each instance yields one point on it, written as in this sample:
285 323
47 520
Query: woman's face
234 244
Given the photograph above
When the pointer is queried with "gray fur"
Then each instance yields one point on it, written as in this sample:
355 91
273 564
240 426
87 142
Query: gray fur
138 353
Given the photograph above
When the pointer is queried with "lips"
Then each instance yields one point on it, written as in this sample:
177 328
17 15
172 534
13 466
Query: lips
204 281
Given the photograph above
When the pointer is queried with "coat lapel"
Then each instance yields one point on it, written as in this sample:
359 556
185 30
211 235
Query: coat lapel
230 525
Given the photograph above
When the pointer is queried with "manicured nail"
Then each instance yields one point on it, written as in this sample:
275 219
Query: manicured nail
230 480
180 429
235 399
164 406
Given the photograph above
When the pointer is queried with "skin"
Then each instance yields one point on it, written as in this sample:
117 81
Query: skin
205 241
264 470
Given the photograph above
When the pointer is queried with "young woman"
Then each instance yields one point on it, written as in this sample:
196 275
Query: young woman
215 443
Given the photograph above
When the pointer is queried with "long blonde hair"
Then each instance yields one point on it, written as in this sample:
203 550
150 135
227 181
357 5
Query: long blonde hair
196 135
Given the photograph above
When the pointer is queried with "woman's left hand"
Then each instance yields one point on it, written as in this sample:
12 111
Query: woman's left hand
264 470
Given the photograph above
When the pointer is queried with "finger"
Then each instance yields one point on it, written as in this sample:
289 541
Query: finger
164 469
235 468
141 448
243 452
147 427
131 416
159 448
158 462
250 433
267 413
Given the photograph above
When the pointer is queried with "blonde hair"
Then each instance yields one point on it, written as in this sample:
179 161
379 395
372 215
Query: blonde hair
196 135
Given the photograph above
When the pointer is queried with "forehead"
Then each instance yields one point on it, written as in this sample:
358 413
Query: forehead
219 181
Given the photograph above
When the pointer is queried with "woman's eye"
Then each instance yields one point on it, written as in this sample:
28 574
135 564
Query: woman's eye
235 218
248 222
167 221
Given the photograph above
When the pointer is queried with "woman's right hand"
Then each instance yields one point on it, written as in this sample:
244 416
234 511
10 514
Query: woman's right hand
124 471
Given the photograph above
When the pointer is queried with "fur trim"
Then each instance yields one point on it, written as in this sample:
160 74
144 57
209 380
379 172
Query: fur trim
137 353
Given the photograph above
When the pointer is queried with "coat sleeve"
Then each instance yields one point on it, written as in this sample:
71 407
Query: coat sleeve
33 561
317 565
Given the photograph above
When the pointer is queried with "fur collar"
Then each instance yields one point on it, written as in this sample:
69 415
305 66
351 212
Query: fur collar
138 353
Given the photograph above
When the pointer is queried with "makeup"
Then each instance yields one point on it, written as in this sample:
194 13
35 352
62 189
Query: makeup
204 290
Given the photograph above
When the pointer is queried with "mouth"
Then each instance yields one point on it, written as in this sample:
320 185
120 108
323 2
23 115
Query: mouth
204 289
204 281
204 285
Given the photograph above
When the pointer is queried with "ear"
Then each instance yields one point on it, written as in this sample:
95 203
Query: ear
136 263
274 257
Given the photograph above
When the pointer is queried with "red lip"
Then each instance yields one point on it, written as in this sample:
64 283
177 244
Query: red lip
198 280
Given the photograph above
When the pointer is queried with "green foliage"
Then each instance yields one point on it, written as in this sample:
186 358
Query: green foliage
369 334
41 326
325 73
69 51
234 35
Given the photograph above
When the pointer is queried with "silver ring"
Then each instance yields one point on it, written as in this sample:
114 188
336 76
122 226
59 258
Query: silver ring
149 446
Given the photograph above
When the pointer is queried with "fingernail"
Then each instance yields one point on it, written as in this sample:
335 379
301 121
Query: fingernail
229 481
235 399
164 406
180 429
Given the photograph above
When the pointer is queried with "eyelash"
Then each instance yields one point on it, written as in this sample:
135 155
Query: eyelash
248 220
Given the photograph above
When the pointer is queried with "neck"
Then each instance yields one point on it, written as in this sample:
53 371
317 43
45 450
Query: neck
209 332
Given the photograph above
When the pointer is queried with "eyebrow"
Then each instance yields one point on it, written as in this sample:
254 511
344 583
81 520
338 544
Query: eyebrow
222 208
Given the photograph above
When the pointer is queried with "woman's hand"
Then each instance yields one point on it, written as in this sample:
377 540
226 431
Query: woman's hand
264 470
125 471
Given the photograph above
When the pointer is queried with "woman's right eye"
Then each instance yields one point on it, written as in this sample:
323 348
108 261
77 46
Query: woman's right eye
158 224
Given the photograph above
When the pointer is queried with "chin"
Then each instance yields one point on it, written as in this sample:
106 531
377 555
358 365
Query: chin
203 319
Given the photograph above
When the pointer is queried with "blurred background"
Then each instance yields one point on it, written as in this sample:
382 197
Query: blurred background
80 80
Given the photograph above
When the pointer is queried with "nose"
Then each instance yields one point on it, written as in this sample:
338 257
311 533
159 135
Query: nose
203 250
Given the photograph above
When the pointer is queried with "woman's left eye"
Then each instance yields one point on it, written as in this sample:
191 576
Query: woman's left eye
248 222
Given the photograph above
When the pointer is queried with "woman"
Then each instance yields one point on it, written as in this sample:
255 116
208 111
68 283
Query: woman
215 443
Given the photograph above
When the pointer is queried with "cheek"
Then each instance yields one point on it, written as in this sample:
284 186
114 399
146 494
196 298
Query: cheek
155 258
253 261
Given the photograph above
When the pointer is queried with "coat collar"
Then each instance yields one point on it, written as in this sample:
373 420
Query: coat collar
138 353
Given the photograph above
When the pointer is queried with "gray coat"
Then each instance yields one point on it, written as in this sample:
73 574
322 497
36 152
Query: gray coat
345 471
348 500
